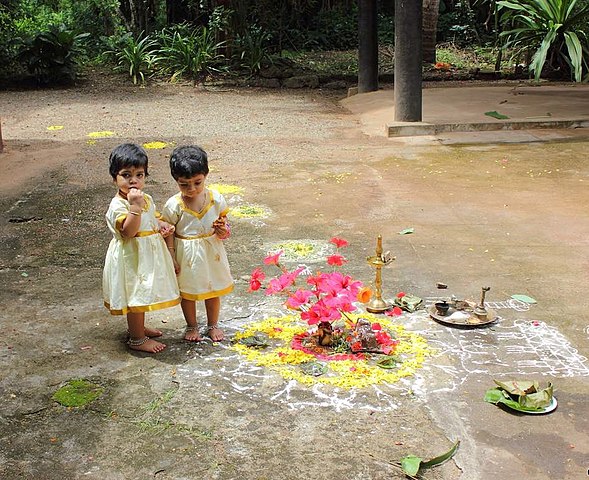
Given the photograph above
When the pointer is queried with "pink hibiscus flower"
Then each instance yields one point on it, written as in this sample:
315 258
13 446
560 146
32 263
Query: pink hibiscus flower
256 279
273 259
300 297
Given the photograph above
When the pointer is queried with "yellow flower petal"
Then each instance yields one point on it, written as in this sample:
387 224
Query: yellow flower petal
281 358
225 189
155 145
104 134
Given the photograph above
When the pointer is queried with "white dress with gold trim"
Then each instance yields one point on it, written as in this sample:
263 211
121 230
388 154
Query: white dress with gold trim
138 272
204 268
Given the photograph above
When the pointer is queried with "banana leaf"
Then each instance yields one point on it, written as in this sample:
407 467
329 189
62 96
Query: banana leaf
388 362
412 464
538 400
531 400
314 369
518 387
256 341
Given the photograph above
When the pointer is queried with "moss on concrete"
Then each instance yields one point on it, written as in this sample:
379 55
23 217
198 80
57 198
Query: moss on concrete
77 393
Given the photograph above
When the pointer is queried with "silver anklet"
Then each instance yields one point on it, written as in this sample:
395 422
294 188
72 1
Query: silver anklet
137 343
212 327
191 329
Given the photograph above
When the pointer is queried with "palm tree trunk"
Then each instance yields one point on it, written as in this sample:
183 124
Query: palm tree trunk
431 9
367 46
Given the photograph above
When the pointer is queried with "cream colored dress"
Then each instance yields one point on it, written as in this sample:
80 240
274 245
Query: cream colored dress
204 268
138 272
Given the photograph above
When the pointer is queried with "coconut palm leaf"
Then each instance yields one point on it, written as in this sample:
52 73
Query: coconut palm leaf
553 29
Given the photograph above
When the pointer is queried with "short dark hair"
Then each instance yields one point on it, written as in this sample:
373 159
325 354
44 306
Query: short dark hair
127 155
188 161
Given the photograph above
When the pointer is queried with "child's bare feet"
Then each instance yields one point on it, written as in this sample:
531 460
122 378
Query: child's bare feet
145 344
192 334
215 333
152 332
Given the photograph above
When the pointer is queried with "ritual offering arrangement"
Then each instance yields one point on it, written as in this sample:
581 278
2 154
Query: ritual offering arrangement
524 396
462 313
324 339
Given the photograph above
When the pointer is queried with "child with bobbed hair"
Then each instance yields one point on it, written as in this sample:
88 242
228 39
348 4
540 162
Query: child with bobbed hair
199 216
138 274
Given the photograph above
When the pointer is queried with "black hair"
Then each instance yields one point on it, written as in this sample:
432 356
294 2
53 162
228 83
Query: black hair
127 155
188 161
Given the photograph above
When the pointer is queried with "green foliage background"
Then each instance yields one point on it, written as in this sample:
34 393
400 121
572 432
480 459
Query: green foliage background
246 35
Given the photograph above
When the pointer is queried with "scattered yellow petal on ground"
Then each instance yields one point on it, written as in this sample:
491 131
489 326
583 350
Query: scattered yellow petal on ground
55 127
155 145
104 134
225 189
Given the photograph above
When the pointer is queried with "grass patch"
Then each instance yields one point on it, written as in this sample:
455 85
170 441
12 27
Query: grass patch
346 62
157 403
77 393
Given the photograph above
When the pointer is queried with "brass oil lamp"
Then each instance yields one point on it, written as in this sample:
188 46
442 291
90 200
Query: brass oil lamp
377 304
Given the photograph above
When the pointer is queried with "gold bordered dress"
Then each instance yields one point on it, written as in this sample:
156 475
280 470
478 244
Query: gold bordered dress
138 272
204 268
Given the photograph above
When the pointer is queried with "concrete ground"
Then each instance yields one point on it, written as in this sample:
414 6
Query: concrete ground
503 209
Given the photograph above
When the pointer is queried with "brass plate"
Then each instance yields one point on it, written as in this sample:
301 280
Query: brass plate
472 321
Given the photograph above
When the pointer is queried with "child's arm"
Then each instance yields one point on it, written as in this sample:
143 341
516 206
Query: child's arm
132 223
170 244
166 229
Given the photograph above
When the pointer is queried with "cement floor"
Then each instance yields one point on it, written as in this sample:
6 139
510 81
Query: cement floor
499 209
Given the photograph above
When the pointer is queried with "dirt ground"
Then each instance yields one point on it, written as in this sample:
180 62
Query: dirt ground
508 216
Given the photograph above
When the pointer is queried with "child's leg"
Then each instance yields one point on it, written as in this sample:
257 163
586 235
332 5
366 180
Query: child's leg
213 307
138 340
189 310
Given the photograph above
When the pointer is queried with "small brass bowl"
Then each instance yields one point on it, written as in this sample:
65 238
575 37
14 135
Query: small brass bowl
442 308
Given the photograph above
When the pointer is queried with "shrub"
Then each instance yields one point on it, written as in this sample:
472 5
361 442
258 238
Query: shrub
250 51
553 28
53 56
135 55
193 55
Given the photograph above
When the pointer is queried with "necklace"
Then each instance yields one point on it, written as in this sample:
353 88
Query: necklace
196 204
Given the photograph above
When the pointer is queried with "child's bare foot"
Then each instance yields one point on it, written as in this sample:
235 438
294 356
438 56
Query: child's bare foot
192 334
152 332
145 344
215 333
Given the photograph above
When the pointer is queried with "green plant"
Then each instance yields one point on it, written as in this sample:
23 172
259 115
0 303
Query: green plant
249 49
194 55
53 56
553 28
135 55
7 35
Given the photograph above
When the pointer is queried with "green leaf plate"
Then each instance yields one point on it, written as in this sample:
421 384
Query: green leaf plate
496 396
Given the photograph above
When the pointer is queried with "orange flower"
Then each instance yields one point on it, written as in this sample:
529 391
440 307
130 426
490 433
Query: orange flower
442 66
364 294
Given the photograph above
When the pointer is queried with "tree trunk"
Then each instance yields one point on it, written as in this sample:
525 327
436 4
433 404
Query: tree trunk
139 15
367 46
431 10
408 54
178 11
